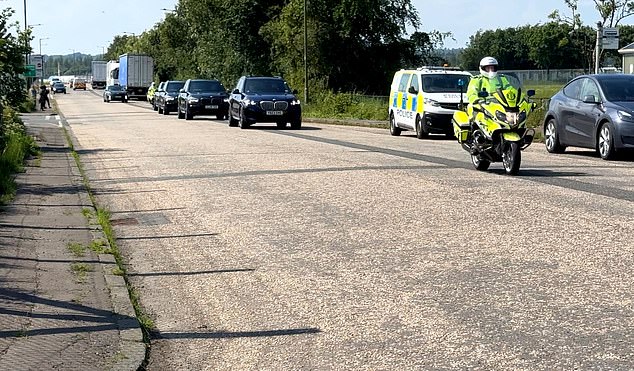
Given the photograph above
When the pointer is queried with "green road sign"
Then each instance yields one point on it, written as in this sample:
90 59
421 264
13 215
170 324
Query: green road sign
30 70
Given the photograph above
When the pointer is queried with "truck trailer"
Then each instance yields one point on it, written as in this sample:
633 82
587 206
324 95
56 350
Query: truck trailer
136 73
99 74
112 68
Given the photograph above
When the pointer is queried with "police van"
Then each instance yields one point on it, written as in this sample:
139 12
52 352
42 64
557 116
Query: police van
425 99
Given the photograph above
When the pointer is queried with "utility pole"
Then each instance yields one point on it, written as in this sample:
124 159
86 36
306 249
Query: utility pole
305 58
598 47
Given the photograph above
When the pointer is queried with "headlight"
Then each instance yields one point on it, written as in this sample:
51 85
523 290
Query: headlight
249 102
625 116
511 118
169 99
431 102
295 102
193 100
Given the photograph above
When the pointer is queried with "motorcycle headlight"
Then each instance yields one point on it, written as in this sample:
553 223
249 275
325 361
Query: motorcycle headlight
431 102
625 116
510 118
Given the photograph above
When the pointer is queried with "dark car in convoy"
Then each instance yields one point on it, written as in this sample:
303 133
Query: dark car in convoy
167 101
202 97
264 99
58 87
592 111
115 92
157 93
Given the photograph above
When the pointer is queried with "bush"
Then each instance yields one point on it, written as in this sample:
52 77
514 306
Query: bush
15 146
346 106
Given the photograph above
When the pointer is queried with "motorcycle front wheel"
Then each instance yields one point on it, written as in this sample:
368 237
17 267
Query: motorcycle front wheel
512 158
480 164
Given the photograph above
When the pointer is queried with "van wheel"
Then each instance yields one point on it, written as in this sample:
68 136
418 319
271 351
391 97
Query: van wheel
420 128
394 130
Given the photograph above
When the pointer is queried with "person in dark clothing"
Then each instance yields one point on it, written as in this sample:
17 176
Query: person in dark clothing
44 98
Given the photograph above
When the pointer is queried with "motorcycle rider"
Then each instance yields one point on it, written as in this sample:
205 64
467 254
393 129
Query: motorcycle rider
488 79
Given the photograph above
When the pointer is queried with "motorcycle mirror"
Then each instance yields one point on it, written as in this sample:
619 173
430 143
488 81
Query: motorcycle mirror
483 94
461 82
530 93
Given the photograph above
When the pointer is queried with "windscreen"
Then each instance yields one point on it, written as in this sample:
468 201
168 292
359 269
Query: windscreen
618 90
270 86
115 88
208 86
444 83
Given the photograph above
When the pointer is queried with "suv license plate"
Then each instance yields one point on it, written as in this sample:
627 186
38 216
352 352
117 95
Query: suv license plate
274 113
211 106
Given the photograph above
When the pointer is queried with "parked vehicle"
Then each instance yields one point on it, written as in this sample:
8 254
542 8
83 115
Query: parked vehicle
115 92
202 97
112 77
160 90
58 87
99 74
78 83
168 101
425 99
136 73
497 131
592 111
264 99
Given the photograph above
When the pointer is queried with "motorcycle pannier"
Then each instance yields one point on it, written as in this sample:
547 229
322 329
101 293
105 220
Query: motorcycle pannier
460 122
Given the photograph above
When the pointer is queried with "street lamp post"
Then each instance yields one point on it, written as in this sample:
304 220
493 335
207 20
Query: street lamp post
44 38
41 56
305 58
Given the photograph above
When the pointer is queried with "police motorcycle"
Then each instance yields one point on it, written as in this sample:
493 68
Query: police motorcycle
493 129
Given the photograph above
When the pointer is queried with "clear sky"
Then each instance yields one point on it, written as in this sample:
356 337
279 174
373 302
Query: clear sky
85 26
88 26
464 18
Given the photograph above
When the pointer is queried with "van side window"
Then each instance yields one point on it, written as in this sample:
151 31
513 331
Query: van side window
415 84
402 86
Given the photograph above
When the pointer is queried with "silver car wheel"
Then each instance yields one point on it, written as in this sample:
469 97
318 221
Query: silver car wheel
550 136
604 141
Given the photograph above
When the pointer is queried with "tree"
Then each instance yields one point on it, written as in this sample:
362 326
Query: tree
12 51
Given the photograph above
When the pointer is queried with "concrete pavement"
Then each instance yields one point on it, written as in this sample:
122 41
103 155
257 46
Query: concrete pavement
61 306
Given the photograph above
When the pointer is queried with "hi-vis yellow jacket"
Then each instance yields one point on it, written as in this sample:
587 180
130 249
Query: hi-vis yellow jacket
480 82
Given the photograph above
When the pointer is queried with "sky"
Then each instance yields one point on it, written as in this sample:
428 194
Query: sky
86 26
89 26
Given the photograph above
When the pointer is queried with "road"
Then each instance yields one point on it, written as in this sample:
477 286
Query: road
340 247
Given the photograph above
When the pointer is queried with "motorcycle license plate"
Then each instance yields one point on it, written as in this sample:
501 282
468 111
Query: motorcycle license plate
274 113
209 106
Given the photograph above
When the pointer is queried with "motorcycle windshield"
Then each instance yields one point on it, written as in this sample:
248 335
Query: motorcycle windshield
506 90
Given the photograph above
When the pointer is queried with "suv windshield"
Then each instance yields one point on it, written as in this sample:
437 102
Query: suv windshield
275 86
175 86
444 83
115 88
205 86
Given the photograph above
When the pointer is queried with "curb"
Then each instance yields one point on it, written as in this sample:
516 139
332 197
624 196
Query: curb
132 348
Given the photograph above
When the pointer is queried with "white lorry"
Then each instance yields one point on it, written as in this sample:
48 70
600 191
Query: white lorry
99 74
112 69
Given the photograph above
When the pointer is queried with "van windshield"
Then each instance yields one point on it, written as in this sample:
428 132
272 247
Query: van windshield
444 83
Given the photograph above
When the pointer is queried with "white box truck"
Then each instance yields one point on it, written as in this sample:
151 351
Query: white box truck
136 73
99 74
112 77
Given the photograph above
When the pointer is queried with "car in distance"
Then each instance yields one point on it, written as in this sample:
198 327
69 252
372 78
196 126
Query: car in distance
168 101
79 84
58 87
592 111
202 97
115 92
264 99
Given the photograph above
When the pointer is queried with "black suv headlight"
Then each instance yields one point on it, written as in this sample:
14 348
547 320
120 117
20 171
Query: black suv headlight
249 102
295 102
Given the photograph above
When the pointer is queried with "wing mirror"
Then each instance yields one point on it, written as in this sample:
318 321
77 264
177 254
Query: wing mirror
461 83
411 90
295 91
530 92
589 99
181 91
235 91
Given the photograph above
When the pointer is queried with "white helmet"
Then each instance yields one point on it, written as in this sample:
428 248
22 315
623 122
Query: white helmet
489 61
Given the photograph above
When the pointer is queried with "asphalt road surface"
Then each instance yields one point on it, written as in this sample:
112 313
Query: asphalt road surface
339 247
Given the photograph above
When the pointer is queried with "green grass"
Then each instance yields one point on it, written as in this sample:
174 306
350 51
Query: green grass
77 249
80 270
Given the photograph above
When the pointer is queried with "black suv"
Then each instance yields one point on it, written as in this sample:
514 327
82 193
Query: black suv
166 102
264 99
202 97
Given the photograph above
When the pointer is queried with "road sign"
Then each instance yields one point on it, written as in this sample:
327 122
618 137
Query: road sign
30 70
610 39
37 60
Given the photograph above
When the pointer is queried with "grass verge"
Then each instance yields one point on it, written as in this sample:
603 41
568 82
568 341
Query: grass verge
102 217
